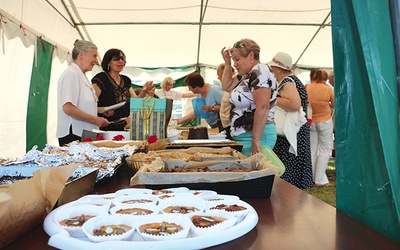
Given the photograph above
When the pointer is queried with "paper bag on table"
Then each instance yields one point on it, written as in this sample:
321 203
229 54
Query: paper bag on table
25 203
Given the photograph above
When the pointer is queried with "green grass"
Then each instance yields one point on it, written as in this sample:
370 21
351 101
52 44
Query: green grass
326 194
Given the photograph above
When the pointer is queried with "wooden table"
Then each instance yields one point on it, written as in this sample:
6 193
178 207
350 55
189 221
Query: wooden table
289 219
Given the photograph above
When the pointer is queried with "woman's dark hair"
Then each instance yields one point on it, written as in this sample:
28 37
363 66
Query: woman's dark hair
107 58
194 80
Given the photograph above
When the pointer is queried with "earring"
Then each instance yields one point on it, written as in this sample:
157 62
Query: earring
108 68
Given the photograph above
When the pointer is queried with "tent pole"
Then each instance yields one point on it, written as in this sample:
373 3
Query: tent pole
202 14
312 39
70 16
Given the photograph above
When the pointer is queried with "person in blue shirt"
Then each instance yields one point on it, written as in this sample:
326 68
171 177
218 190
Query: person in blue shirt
213 96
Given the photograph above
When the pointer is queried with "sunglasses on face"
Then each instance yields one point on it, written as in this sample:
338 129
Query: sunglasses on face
117 58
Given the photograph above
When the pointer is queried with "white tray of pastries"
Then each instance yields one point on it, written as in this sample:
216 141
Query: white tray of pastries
159 231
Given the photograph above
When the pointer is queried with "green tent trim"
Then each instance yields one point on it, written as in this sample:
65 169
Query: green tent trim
36 132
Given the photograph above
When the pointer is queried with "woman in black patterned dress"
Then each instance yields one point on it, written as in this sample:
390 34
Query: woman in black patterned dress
111 88
292 95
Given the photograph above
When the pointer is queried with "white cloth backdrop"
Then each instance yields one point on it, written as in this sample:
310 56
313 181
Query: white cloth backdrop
17 59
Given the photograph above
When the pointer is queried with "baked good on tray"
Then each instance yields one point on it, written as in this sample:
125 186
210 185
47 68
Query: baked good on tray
206 220
180 209
107 230
228 208
136 201
162 228
198 133
75 221
113 227
134 211
72 218
161 191
211 222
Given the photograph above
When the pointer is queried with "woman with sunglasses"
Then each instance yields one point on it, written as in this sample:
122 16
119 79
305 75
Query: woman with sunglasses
112 88
253 96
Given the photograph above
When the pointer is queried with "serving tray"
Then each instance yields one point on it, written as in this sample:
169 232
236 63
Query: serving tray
60 238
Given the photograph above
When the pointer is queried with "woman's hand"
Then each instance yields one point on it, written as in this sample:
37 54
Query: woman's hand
149 85
109 113
226 55
128 122
178 121
255 147
101 122
207 108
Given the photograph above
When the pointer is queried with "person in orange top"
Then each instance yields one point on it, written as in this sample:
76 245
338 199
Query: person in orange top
321 98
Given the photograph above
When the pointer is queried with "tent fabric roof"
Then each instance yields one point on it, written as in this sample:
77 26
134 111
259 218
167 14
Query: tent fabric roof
171 33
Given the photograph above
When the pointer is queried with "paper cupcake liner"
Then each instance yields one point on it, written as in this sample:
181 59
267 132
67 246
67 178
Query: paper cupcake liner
77 210
135 199
190 202
153 208
170 190
108 220
228 222
166 196
178 219
108 197
96 202
238 214
220 198
133 191
179 190
201 193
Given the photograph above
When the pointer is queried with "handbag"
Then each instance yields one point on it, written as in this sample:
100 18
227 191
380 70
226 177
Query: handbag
295 120
149 116
280 117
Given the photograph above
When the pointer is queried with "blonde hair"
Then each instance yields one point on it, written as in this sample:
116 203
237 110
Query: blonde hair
82 46
167 80
245 46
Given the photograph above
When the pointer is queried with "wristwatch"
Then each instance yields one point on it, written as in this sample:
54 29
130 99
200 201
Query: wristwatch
212 108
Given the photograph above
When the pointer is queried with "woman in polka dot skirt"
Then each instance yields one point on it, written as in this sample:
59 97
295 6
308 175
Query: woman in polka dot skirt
292 95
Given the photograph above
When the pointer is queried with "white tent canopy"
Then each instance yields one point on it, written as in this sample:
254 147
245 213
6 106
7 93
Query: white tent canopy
152 34
161 33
